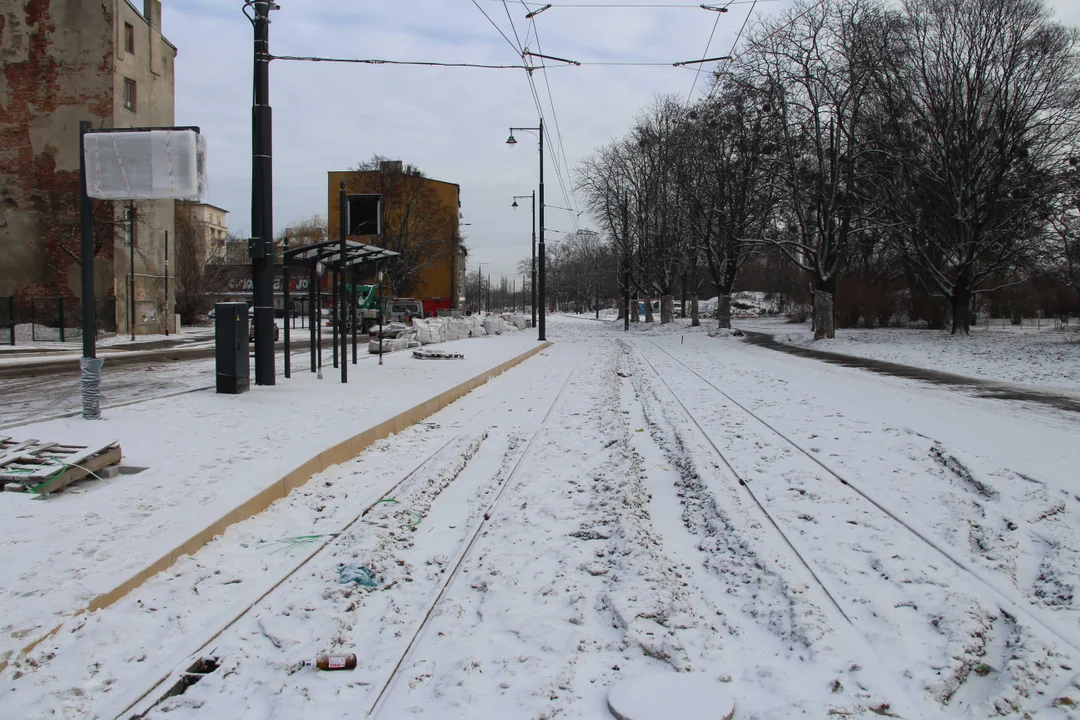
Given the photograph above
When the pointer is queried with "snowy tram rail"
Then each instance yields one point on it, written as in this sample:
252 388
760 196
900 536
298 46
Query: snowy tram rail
177 674
793 491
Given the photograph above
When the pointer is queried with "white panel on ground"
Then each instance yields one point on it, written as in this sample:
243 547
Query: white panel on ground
669 694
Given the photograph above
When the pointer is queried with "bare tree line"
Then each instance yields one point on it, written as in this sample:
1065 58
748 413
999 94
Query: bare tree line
931 143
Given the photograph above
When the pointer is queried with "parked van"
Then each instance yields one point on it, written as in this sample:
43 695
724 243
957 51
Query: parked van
398 308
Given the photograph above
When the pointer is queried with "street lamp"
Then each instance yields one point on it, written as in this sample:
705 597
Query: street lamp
533 266
540 293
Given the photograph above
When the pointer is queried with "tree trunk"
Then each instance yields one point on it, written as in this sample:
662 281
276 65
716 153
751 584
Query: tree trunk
824 327
667 309
723 311
682 305
961 311
648 310
635 310
622 311
695 319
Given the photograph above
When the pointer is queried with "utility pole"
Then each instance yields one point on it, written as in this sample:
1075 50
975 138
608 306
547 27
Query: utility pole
532 288
543 274
262 198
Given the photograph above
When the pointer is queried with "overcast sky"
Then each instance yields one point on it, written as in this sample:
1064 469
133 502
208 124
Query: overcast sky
452 123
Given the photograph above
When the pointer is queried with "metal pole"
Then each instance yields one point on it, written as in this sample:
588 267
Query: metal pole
312 318
11 317
131 238
334 313
626 269
62 323
533 287
352 310
262 205
318 329
33 322
168 315
90 366
489 293
286 279
543 272
378 276
341 291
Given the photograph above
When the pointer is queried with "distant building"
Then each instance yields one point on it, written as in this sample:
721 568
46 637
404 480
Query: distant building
63 61
209 221
419 219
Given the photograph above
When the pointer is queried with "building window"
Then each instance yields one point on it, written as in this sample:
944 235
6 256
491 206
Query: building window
364 214
129 37
129 94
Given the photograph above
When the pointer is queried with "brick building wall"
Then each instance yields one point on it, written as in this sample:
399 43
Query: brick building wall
62 61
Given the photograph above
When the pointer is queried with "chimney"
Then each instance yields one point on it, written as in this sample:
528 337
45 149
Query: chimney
152 13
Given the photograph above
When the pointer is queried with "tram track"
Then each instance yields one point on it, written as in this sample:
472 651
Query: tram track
824 567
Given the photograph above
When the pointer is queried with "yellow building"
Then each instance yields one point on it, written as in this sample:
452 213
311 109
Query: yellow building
413 215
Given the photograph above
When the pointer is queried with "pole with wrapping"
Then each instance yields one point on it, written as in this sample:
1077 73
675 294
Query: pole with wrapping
90 364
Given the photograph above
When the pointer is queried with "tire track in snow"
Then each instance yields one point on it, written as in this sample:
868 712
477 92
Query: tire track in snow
907 579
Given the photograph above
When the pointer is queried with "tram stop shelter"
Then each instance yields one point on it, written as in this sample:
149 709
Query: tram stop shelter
345 267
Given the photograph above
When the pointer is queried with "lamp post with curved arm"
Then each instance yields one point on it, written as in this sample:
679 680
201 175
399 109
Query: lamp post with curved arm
542 297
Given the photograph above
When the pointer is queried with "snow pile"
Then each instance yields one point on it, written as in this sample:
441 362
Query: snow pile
1048 358
494 325
743 304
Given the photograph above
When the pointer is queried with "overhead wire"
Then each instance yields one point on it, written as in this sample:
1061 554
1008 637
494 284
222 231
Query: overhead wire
521 48
495 25
704 55
376 61
569 196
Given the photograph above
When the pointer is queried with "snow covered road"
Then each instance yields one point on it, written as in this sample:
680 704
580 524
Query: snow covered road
621 504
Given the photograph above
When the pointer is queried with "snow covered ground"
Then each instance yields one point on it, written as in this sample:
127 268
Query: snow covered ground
821 541
205 454
1046 358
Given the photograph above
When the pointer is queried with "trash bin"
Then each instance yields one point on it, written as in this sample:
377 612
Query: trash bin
231 345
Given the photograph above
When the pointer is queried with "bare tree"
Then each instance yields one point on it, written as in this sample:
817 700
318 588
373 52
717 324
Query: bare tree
981 103
809 61
729 195
197 280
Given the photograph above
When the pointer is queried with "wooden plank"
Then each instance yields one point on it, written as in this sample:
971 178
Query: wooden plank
47 466
9 455
110 456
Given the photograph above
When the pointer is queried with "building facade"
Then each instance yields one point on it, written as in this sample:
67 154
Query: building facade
417 217
211 224
61 62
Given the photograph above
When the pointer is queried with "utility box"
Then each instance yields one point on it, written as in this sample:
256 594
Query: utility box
231 342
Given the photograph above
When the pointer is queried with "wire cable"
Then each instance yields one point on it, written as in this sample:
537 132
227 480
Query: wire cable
494 25
704 55
374 61
520 47
568 196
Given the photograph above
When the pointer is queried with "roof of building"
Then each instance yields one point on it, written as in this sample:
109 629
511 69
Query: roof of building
358 172
195 203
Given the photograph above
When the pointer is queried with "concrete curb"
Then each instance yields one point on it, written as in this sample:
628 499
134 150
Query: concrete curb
340 453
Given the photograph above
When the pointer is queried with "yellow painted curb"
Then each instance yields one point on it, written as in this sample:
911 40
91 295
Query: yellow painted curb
340 453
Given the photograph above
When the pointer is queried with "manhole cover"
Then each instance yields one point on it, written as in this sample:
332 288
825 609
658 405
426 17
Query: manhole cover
666 695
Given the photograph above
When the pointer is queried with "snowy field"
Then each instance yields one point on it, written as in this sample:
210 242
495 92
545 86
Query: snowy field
821 541
1045 358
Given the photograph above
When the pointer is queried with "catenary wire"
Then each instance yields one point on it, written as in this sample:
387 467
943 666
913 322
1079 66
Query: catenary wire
704 55
375 61
494 25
